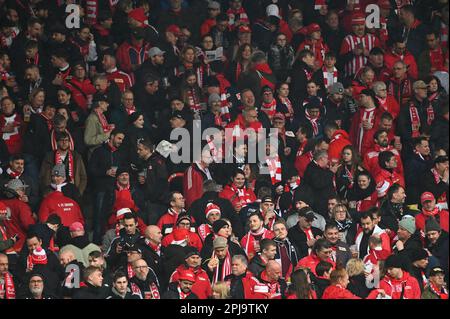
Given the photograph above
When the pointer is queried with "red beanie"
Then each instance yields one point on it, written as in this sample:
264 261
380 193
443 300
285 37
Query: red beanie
212 208
138 15
180 234
39 257
358 18
186 274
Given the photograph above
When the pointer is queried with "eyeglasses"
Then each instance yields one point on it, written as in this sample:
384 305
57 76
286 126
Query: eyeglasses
36 281
140 267
184 224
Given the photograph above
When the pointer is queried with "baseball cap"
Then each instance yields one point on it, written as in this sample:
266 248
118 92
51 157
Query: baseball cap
420 85
178 115
267 199
336 88
76 226
155 51
173 28
427 196
436 270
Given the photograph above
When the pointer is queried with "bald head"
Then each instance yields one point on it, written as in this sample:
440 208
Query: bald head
66 257
273 270
153 234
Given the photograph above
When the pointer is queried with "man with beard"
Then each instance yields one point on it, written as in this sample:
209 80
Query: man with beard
369 228
144 283
36 285
183 288
257 232
7 288
381 140
303 236
341 251
192 262
336 105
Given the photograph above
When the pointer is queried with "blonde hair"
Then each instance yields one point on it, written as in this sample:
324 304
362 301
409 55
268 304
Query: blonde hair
337 275
222 288
354 267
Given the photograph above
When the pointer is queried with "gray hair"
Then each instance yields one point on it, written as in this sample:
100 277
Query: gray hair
378 85
319 154
241 258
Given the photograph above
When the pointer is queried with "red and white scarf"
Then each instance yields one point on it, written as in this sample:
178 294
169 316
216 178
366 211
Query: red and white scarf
48 122
430 114
226 268
130 271
182 294
285 101
193 100
415 121
13 174
54 144
274 165
326 77
224 109
204 230
7 290
442 293
366 115
313 122
318 4
263 232
59 160
130 110
242 194
102 119
153 294
269 108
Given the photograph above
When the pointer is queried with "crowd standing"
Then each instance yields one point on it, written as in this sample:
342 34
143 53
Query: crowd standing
355 204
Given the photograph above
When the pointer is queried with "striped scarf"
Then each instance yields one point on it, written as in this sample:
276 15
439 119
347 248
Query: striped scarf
224 109
59 160
326 76
286 102
274 165
314 124
54 143
269 108
415 121
7 290
226 268
102 119
193 100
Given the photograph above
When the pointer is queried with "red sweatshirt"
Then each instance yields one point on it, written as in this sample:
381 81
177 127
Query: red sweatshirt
63 206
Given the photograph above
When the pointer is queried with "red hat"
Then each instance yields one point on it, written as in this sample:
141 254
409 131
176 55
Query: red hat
76 226
138 15
280 116
244 29
359 18
39 257
427 196
313 27
186 274
121 213
173 28
3 208
212 208
384 4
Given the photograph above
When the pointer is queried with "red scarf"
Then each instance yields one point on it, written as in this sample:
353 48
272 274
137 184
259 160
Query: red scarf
263 232
204 230
318 4
130 110
309 74
155 248
242 194
102 119
130 271
269 108
153 294
53 140
58 160
274 165
226 268
274 288
182 294
48 122
302 148
12 174
432 214
193 100
430 114
285 101
325 77
415 121
7 290
264 68
313 122
437 59
442 293
224 109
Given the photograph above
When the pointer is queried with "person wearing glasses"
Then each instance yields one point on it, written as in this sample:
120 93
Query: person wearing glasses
145 282
36 286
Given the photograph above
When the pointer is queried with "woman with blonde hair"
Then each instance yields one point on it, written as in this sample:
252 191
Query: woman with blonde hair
346 226
221 290
357 278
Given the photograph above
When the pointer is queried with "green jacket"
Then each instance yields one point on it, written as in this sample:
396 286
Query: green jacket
93 133
429 294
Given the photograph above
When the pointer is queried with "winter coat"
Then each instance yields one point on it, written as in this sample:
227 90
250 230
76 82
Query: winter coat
338 292
64 207
339 140
173 293
406 287
298 239
89 291
242 287
202 286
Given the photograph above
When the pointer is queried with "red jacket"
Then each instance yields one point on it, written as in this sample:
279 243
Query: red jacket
338 292
14 139
319 49
63 206
371 160
366 203
385 179
441 214
19 222
302 162
239 126
357 87
367 135
128 55
390 104
393 287
311 262
385 241
202 286
80 91
207 25
181 234
168 221
193 183
339 140
122 79
231 193
248 242
390 58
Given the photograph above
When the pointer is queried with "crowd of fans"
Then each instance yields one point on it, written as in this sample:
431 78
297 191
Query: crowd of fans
351 203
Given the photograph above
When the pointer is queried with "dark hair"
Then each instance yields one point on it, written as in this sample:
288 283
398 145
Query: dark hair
60 53
32 235
331 224
374 211
386 115
321 244
300 285
366 215
131 216
95 254
222 17
323 267
266 243
54 219
418 141
304 53
119 274
392 190
377 134
16 157
384 157
257 214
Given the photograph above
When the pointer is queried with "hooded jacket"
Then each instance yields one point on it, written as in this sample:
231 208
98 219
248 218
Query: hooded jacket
406 287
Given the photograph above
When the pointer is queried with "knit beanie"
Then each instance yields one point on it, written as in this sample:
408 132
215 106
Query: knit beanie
212 208
432 225
218 225
394 261
408 223
39 257
419 254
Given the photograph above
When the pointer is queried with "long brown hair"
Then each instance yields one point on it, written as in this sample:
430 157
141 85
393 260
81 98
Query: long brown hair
300 285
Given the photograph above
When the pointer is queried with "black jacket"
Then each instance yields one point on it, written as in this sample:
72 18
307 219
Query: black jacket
358 287
207 249
440 251
113 294
391 214
114 259
412 245
144 285
299 79
156 186
292 250
172 292
102 160
415 167
429 185
321 182
91 292
256 265
154 261
298 239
